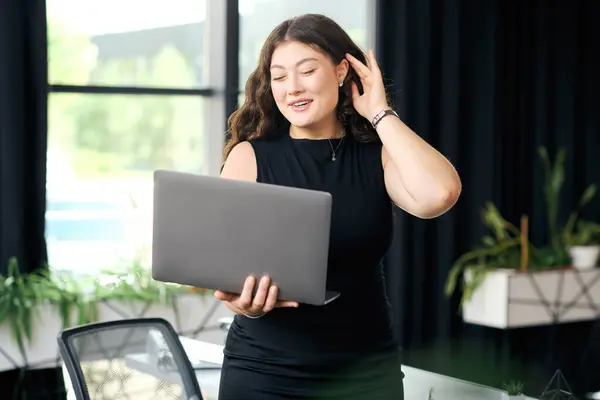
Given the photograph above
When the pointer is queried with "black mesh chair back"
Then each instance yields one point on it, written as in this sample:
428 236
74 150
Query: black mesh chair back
130 359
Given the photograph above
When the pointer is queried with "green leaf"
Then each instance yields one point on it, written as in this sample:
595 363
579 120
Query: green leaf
587 196
558 178
545 160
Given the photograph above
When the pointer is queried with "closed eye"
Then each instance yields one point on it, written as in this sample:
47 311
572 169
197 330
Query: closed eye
278 78
309 72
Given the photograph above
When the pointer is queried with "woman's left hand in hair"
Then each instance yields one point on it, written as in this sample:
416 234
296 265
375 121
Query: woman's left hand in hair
374 99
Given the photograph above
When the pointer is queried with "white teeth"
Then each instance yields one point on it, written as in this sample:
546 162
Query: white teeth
300 104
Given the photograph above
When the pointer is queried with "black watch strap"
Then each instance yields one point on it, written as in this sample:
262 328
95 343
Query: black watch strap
382 114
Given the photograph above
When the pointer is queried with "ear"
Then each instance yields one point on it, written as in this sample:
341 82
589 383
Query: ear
341 70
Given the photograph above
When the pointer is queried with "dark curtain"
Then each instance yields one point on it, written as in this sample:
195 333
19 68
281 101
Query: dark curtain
23 97
487 83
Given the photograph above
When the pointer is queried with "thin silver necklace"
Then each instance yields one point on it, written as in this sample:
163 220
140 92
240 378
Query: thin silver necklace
334 151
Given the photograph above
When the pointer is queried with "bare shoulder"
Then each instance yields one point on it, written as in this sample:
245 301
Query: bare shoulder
240 163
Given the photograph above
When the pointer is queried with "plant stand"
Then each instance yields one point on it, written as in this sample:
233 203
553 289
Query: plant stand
557 389
512 299
192 315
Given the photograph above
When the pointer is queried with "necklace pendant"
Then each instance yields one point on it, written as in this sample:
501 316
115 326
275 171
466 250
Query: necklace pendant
332 158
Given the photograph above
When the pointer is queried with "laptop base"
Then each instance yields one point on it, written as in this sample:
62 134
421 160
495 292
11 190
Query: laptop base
331 296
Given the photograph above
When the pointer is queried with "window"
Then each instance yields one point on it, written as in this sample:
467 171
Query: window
126 43
102 151
127 96
136 86
259 17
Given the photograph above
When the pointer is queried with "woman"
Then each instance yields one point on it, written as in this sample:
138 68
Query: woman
316 116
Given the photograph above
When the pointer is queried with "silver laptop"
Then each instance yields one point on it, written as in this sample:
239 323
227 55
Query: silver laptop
212 233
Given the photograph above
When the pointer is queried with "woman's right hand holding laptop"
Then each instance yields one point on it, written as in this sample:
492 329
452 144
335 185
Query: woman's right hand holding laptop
255 306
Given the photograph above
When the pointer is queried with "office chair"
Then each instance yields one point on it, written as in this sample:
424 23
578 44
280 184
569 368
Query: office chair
139 358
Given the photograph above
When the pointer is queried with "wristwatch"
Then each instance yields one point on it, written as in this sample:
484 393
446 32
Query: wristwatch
382 114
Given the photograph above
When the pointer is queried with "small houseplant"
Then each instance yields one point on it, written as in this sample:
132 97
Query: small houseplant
514 390
584 244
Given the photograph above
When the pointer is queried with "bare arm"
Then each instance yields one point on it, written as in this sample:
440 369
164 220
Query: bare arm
418 178
241 163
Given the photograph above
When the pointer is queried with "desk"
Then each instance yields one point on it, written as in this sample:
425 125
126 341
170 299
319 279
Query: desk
207 358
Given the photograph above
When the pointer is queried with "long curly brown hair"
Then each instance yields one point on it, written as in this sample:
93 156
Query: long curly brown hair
259 116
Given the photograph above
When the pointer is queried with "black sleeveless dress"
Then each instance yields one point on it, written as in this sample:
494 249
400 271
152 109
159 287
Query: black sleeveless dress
343 350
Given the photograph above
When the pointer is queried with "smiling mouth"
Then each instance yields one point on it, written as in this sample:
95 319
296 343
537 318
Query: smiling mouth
301 105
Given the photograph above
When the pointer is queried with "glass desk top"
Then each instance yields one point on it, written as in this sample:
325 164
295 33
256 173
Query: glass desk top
207 358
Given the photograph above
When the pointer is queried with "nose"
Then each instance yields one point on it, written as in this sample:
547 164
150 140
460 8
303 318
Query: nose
294 86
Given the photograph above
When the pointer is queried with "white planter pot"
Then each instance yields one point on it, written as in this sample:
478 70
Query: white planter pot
513 397
584 257
509 299
42 351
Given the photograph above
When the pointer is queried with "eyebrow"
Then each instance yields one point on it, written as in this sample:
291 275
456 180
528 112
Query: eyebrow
297 64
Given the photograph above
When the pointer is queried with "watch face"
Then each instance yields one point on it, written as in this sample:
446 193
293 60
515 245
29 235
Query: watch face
382 114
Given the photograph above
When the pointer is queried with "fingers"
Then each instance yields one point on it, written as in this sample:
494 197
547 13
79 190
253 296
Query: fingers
361 69
261 294
225 296
245 300
271 301
373 61
264 300
364 71
286 304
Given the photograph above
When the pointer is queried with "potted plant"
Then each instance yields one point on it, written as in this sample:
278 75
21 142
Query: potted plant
35 306
584 244
514 391
508 266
